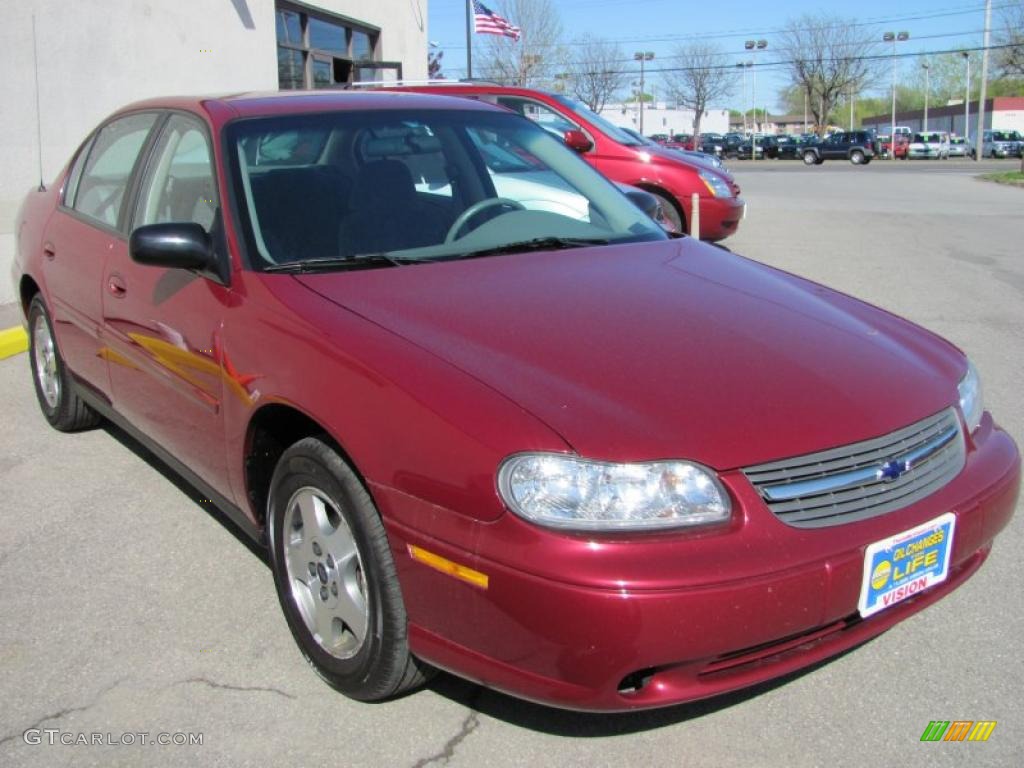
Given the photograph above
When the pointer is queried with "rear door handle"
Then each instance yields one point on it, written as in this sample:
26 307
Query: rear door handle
49 251
116 286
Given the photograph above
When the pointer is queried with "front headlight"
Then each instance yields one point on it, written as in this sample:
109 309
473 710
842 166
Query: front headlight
569 492
971 405
715 184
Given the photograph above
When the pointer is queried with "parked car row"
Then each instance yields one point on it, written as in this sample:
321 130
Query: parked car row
859 147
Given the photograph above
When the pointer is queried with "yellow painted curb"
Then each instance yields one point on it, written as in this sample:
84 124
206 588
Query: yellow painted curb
13 341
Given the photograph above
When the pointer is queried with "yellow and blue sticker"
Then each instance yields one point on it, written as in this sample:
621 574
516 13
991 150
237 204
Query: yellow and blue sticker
903 565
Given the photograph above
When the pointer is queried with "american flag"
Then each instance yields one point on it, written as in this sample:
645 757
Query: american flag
487 22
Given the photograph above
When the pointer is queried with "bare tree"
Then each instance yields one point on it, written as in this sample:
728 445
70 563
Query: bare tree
596 71
1010 61
698 78
531 59
827 57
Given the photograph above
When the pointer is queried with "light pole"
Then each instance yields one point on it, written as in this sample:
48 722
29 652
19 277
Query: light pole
979 133
642 56
927 87
754 46
743 65
894 37
967 99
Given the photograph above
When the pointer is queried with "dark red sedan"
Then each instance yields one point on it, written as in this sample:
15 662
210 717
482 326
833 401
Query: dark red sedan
486 415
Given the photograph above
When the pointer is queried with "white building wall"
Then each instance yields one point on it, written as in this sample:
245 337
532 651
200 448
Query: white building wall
659 118
95 56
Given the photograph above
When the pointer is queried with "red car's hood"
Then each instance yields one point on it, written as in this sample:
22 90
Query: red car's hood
665 350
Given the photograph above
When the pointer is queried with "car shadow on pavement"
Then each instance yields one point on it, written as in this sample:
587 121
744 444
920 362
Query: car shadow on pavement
185 487
563 722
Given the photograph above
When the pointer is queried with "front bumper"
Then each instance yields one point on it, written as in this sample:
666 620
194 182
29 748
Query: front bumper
594 623
719 217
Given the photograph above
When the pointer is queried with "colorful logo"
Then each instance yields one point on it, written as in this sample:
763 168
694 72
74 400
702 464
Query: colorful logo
958 730
880 575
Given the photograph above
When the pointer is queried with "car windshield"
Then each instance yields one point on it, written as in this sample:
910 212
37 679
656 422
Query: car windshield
612 131
393 187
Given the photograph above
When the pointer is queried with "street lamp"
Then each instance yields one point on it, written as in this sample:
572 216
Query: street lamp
894 37
967 99
927 87
754 46
642 56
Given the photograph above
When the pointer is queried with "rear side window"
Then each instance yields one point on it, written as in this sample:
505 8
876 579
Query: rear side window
101 189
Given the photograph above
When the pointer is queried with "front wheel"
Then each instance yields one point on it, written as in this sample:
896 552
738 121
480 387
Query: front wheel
671 213
335 575
857 157
810 158
55 390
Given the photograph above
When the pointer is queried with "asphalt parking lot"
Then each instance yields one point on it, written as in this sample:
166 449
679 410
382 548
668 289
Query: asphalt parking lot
128 606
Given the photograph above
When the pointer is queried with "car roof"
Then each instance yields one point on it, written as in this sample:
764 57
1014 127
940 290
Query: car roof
255 104
463 88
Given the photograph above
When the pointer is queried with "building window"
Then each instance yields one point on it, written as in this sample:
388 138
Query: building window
316 49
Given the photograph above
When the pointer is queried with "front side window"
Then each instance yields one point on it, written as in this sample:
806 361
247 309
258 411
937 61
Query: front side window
179 183
551 121
612 131
393 187
108 169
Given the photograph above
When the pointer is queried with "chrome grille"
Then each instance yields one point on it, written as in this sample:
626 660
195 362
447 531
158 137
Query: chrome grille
863 479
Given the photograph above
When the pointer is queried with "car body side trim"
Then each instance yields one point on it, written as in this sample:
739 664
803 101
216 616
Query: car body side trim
221 502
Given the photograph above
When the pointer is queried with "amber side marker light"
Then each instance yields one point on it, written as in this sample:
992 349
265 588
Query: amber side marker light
444 565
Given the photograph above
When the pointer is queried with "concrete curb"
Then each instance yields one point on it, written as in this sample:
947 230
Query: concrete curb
13 341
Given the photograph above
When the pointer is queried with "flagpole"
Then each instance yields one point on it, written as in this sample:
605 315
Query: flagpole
469 41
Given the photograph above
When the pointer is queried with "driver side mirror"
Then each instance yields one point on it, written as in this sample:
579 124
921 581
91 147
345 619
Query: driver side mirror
176 245
577 140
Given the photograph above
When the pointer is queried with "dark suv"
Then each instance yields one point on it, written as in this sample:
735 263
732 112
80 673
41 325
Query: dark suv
856 146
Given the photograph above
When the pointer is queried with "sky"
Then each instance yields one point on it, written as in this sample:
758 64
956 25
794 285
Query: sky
661 25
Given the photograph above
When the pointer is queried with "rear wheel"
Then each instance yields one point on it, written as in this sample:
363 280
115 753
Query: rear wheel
55 390
335 575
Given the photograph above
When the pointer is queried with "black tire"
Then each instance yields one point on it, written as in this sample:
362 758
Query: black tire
672 213
380 665
857 157
810 158
60 403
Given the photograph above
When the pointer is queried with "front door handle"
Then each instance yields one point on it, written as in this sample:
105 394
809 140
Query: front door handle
116 286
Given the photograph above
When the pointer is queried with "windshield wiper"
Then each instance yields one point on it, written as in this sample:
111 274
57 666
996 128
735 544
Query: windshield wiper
362 261
535 244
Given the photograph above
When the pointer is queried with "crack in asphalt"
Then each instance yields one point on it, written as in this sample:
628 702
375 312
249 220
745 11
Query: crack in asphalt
469 724
243 688
61 713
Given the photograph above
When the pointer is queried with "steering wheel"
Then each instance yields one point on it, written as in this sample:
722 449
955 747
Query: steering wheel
476 208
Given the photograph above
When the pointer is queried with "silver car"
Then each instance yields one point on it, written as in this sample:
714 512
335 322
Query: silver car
997 143
957 146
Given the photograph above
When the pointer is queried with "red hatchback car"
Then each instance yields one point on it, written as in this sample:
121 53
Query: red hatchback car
621 157
486 415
